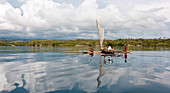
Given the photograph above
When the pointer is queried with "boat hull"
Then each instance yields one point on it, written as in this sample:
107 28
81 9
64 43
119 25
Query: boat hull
107 52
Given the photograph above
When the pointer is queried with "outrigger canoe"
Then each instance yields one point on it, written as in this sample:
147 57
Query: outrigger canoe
101 38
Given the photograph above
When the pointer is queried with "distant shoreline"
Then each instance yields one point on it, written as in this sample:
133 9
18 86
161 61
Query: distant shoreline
88 42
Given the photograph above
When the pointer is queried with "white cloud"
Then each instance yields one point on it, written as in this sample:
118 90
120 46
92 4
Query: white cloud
46 19
2 1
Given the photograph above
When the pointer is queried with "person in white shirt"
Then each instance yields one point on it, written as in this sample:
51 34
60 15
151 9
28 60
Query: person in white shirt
109 48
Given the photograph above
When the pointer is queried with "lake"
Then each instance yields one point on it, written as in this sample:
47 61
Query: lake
66 70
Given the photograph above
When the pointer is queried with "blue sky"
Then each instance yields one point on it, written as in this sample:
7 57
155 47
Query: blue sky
75 19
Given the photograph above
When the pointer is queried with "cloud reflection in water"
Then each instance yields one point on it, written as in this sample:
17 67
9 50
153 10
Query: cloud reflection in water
48 72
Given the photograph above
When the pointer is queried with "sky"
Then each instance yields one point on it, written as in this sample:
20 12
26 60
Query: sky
76 19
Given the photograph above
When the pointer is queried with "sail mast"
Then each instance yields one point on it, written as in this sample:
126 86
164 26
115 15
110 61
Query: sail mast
101 33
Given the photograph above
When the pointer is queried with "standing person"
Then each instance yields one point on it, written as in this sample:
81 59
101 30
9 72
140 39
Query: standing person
91 51
125 48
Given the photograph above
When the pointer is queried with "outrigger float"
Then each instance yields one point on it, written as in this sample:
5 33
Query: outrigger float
103 52
107 53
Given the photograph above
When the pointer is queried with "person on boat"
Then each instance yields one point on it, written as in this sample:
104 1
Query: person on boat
125 48
110 48
91 50
105 48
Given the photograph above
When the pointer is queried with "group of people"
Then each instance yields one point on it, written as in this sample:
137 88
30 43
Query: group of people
109 48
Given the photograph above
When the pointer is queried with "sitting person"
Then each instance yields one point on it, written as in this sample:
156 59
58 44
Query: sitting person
91 50
105 48
110 48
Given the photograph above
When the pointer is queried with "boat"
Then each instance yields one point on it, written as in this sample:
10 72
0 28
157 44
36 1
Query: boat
107 52
101 38
100 30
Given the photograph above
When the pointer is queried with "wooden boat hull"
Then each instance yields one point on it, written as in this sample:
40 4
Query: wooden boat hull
113 52
104 52
107 52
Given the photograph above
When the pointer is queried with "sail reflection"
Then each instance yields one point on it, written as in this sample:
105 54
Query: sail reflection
102 72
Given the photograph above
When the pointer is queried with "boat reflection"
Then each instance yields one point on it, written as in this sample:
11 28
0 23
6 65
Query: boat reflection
109 58
125 56
102 69
91 54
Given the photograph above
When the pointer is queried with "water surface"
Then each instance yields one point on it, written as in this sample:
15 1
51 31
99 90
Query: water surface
62 70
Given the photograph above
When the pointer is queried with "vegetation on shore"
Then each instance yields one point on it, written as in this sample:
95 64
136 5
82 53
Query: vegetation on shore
88 42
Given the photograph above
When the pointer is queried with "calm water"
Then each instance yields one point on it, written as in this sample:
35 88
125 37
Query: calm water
67 70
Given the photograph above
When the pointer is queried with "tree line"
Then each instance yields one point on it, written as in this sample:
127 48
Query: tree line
88 42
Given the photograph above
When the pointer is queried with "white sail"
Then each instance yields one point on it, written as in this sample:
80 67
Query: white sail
101 33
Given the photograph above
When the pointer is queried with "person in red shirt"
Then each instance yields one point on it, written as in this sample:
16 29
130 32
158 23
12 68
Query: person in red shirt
125 48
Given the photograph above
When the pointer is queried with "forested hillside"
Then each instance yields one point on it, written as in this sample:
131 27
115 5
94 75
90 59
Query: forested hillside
88 42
